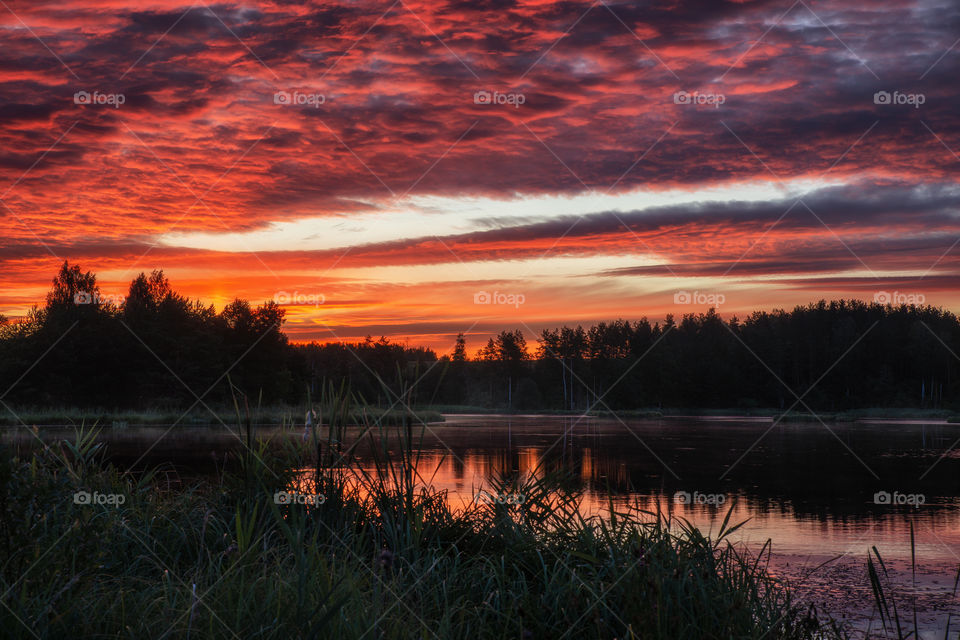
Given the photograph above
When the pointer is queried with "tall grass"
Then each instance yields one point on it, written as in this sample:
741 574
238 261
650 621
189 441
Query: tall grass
383 555
886 606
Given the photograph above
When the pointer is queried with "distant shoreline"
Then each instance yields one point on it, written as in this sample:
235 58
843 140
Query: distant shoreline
294 416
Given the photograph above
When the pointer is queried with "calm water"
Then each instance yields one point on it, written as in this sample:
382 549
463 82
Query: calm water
807 487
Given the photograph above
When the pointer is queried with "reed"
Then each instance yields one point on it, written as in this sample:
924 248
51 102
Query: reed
383 555
886 605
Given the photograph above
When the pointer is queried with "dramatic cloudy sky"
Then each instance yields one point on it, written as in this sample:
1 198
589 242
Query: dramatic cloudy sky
753 153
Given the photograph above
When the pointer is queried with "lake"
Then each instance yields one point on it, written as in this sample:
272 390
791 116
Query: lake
810 488
823 494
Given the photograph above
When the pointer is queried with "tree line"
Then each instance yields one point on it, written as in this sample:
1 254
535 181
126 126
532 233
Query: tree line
155 348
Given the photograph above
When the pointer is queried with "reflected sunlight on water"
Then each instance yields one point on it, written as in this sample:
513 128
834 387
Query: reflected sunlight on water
817 493
807 489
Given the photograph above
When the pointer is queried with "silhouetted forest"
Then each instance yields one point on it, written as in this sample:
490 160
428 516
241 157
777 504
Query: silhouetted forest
158 349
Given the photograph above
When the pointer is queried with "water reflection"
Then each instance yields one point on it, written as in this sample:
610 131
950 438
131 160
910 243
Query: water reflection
807 487
806 529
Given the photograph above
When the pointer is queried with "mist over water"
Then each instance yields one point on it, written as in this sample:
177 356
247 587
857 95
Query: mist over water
822 494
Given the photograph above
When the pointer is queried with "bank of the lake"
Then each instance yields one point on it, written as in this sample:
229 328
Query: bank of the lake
808 488
397 413
91 551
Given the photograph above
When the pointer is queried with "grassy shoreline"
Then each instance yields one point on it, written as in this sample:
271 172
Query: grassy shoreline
294 417
117 418
301 540
381 556
868 413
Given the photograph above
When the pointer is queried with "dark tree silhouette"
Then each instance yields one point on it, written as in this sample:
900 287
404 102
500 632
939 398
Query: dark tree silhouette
159 349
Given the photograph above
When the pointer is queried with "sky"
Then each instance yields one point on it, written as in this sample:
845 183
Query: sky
416 169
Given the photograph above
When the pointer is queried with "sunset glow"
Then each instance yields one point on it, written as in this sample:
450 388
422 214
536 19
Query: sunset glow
376 167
